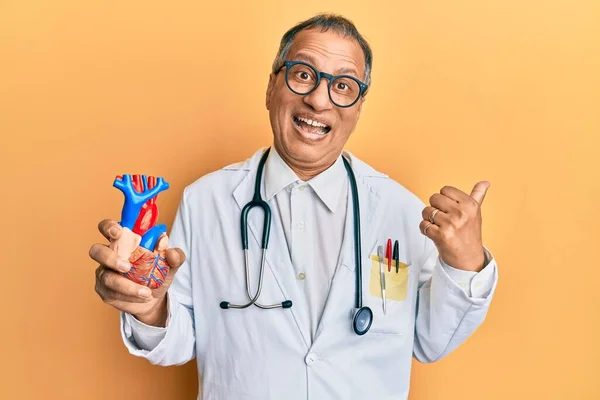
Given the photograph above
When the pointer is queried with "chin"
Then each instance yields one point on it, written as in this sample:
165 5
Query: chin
306 152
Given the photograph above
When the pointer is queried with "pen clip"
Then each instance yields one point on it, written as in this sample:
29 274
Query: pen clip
380 253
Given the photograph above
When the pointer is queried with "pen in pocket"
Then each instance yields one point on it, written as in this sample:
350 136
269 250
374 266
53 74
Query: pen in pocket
396 255
382 274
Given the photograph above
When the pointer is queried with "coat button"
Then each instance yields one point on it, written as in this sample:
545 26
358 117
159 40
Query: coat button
311 358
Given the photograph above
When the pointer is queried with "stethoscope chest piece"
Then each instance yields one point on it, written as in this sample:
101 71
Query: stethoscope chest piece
363 318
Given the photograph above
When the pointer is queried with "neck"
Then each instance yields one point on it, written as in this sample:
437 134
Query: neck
306 171
306 175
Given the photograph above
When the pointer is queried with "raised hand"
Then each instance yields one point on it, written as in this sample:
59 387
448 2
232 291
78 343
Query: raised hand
453 223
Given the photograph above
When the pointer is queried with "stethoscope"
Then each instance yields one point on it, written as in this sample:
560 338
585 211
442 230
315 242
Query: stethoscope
363 316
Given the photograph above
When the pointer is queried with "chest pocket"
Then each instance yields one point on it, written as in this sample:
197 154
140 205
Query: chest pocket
398 296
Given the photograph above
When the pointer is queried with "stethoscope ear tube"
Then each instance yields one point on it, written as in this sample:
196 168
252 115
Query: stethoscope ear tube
286 304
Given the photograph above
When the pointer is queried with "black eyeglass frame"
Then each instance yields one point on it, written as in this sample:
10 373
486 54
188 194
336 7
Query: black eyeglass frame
362 86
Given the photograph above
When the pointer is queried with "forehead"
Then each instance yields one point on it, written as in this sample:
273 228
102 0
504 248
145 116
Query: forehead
330 51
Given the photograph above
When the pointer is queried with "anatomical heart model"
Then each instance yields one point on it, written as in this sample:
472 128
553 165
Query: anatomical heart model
142 243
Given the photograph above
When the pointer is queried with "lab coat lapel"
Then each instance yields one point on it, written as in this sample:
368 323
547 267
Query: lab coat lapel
371 212
277 257
342 293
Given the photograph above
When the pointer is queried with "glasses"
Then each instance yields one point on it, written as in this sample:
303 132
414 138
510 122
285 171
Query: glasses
302 79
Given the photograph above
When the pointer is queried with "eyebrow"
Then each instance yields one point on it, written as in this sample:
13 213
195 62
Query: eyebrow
340 71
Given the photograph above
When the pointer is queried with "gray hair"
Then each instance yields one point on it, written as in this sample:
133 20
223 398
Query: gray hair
325 22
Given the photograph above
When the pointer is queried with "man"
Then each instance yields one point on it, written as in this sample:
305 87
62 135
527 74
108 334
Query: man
436 298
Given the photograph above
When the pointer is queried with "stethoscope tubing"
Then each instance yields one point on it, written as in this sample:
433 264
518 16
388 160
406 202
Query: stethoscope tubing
357 240
257 201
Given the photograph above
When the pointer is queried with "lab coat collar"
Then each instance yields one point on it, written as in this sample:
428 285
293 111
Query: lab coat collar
328 185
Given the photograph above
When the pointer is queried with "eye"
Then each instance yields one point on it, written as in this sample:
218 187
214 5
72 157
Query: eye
345 90
341 86
302 74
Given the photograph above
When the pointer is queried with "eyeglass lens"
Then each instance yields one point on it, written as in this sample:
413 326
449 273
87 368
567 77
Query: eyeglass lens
302 79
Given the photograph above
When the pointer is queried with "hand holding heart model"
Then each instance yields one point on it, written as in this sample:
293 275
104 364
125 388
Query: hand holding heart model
142 242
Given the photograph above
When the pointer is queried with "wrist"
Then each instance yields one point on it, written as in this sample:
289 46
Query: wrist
157 316
473 264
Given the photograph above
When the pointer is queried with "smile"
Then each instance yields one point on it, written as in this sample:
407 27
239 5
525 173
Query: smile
311 126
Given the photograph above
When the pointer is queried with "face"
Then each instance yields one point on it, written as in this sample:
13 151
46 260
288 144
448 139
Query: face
304 147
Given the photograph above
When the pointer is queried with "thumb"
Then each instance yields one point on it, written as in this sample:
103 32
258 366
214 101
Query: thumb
175 257
479 191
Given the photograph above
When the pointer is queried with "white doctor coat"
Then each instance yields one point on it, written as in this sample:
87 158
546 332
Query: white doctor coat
269 354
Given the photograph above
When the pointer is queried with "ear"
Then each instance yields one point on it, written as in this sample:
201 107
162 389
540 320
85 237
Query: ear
270 86
360 104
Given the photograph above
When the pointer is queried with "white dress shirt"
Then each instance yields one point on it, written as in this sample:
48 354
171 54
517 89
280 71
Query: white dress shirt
313 215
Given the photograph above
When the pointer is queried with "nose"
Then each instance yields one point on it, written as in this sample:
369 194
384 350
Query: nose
318 99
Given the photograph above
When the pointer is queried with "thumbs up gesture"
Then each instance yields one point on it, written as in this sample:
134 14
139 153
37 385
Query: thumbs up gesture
453 223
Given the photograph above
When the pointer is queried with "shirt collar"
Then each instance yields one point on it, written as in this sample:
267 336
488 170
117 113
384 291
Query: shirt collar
328 185
278 175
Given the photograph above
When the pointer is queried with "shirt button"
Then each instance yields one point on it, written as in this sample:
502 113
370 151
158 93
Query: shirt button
301 276
301 224
301 188
310 359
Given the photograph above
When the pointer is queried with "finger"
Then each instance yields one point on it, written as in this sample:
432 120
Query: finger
479 191
454 194
175 257
440 218
443 203
111 297
121 286
430 230
106 256
110 229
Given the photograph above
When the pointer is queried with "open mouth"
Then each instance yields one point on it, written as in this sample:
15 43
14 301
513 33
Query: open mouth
311 126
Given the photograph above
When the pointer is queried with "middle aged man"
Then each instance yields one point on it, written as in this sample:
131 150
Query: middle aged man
315 349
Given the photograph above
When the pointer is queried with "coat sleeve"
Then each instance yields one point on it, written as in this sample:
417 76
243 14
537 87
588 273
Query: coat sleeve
175 344
448 312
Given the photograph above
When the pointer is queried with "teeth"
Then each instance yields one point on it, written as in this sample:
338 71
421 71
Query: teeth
313 123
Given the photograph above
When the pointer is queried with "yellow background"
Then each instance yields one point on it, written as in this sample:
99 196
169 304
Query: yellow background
504 90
